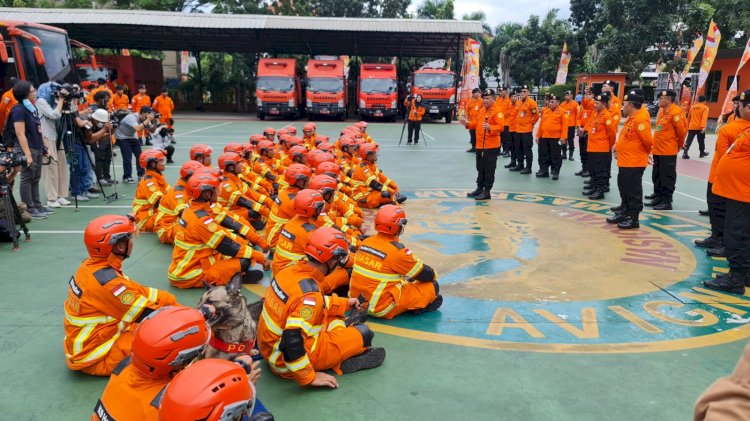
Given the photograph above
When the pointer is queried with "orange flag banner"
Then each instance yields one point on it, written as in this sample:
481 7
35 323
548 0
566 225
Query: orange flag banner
562 68
733 89
713 37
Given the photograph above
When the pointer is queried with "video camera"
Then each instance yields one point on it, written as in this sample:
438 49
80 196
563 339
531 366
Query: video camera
13 159
74 91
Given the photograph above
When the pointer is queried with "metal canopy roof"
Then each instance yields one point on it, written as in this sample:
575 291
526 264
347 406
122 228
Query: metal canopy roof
149 30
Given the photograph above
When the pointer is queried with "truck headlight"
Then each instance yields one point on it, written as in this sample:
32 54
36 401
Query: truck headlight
291 102
362 103
341 103
259 102
309 102
452 99
393 103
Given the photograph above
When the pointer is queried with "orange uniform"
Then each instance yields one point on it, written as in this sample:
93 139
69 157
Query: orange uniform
671 129
503 104
635 141
511 118
732 179
570 107
7 102
233 194
150 190
139 101
382 272
602 131
101 308
164 105
281 212
90 96
372 183
206 251
489 139
130 396
553 125
724 139
170 208
698 117
586 111
527 114
294 306
473 105
416 112
120 102
292 241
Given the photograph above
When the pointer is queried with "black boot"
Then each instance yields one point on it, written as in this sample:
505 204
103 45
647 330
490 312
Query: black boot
704 154
734 283
570 156
665 205
542 174
709 243
434 305
589 192
483 195
703 212
616 209
598 195
585 174
527 168
629 223
717 252
555 175
579 173
474 193
511 165
518 167
685 155
371 358
617 219
653 203
650 196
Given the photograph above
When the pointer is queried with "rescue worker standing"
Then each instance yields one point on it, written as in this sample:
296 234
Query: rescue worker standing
632 150
550 134
510 120
526 117
571 109
489 123
503 104
164 105
584 114
390 277
669 137
602 133
140 100
697 123
472 107
120 100
301 332
733 183
416 111
103 304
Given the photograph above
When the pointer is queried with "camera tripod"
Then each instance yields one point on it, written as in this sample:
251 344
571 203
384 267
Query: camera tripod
419 134
12 214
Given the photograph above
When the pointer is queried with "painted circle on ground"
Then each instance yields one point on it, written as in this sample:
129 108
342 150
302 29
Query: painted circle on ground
533 272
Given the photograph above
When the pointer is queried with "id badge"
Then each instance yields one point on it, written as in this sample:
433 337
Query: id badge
593 130
523 113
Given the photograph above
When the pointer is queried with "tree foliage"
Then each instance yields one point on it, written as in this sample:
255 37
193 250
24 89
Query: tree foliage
435 9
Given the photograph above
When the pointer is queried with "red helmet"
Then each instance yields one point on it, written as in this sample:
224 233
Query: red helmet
366 149
297 151
265 145
308 127
316 157
150 155
201 181
167 340
297 172
208 390
105 231
283 138
390 219
325 184
326 243
200 150
214 172
229 158
308 203
269 130
328 168
322 138
247 150
362 125
291 130
188 168
234 147
255 138
349 143
325 146
295 141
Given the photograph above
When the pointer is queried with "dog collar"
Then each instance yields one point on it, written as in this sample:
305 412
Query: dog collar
232 348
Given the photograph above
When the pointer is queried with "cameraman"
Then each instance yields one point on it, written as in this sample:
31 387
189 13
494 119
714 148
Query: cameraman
127 138
82 182
102 146
162 141
50 102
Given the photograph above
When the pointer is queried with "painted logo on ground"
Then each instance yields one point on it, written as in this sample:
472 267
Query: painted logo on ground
544 273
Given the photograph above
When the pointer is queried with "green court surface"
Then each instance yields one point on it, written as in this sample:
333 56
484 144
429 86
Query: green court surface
549 313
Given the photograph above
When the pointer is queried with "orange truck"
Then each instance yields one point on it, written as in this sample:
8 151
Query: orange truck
377 91
326 89
278 90
438 90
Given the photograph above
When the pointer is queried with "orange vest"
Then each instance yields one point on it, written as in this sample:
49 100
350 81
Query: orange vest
511 118
571 108
170 207
150 190
366 172
527 115
586 111
281 212
732 179
416 112
670 132
698 116
602 132
553 124
130 396
7 102
635 141
292 241
472 109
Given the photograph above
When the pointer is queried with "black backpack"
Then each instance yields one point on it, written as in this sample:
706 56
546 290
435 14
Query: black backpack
9 137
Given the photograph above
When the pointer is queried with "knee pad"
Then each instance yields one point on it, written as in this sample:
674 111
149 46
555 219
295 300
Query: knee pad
366 333
245 264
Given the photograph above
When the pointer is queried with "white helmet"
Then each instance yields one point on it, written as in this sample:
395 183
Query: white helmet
101 115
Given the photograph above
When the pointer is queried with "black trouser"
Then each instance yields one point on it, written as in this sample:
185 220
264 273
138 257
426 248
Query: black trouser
102 159
664 177
701 140
737 235
486 164
630 184
598 163
414 128
570 146
550 155
717 212
473 138
169 151
516 150
506 141
527 151
583 143
130 148
31 175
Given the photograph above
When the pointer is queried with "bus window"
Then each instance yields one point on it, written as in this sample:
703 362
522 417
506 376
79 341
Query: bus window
8 70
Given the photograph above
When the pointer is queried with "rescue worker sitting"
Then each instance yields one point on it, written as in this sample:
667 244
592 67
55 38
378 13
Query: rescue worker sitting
308 204
204 251
103 304
201 153
172 204
297 176
376 189
150 189
234 192
390 277
301 332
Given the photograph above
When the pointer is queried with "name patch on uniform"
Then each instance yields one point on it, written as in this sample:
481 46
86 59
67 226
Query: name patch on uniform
182 222
278 291
101 412
288 235
75 288
370 250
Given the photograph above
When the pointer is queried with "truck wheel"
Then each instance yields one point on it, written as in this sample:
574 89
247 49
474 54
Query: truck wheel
261 116
449 117
310 117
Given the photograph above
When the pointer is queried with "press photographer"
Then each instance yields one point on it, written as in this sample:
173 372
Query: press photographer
162 140
127 139
50 105
102 144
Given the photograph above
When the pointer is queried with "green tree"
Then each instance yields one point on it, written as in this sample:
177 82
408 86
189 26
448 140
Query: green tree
435 9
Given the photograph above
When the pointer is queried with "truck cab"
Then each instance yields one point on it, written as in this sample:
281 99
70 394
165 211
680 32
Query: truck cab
326 89
278 91
438 90
377 91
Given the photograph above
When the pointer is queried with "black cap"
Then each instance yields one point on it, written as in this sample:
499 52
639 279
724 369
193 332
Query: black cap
745 96
164 89
608 82
146 110
488 92
568 93
667 93
101 81
525 87
736 98
634 96
603 97
119 88
476 91
552 97
702 98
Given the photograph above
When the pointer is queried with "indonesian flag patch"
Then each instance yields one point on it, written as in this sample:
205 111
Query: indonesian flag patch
119 289
308 302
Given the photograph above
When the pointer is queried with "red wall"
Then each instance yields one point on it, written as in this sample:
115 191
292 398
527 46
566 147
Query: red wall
727 67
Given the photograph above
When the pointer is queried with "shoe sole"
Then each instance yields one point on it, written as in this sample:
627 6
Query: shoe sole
371 358
733 290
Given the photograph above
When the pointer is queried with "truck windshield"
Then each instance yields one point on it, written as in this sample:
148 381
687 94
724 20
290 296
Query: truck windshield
87 73
325 84
433 80
378 86
57 56
275 83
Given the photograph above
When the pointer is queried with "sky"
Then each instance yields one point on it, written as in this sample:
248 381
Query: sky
500 11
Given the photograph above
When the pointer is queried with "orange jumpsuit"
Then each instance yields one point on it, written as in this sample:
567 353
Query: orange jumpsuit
416 112
170 208
725 138
294 302
602 132
635 141
130 396
698 117
164 105
120 102
472 107
206 251
527 114
7 101
136 103
150 190
671 129
233 192
100 312
371 195
382 272
281 212
586 111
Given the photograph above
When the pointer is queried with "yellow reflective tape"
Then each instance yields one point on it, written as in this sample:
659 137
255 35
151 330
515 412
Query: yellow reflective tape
153 295
289 255
415 270
272 326
336 324
385 277
302 363
86 321
310 330
135 309
81 338
276 218
100 351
